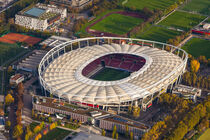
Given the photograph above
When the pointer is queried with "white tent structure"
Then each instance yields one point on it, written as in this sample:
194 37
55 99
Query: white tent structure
60 72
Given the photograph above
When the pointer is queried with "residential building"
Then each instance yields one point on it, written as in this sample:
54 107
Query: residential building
16 79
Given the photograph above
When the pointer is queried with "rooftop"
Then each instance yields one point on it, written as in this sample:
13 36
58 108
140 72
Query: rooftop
86 136
36 12
16 76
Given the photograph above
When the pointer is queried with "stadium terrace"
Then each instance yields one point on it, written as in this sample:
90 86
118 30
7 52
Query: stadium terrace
139 71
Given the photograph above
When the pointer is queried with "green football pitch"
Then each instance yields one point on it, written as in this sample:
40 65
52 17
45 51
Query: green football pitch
200 6
151 4
197 47
110 74
182 20
117 24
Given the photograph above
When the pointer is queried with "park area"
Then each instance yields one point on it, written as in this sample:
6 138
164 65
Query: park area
151 4
56 134
182 20
110 74
8 51
15 38
197 47
205 135
117 24
160 34
199 6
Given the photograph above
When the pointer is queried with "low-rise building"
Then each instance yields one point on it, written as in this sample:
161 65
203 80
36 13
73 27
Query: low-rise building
40 16
2 123
72 3
187 92
54 41
88 136
16 79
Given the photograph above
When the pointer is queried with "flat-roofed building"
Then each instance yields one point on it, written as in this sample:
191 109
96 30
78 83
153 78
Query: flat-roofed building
16 79
54 41
40 16
187 92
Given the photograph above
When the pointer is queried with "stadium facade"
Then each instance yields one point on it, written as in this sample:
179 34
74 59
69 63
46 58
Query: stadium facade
40 16
67 71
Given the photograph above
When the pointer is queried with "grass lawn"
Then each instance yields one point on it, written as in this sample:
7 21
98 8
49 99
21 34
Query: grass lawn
197 47
182 20
151 4
109 74
200 6
117 24
56 134
205 135
8 51
158 34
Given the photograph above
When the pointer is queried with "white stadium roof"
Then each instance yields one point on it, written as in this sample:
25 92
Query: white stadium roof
63 76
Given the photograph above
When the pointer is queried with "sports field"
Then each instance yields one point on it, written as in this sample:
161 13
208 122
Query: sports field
158 34
117 24
109 74
205 135
151 4
197 47
8 51
199 6
182 20
56 134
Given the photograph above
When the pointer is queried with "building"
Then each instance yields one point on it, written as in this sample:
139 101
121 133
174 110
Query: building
31 62
40 16
72 3
66 71
187 92
88 136
16 79
96 117
206 26
2 123
54 41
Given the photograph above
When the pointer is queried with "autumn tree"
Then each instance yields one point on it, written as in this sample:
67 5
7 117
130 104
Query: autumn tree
103 133
1 112
9 99
195 65
18 130
7 125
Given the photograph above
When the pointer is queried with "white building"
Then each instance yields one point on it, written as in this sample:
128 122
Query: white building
16 79
206 26
40 17
187 92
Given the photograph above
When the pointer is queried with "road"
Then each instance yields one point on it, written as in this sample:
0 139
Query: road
8 6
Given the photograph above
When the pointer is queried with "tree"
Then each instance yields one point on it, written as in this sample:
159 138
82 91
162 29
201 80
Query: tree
18 130
1 112
103 133
7 125
113 134
49 119
116 136
9 99
126 131
195 65
131 136
37 129
9 70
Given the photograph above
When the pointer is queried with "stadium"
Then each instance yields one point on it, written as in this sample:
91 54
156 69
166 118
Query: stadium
111 72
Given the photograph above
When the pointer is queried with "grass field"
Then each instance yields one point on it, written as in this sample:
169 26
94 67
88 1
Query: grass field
158 34
205 135
182 20
117 24
8 51
109 74
151 4
56 134
200 6
197 47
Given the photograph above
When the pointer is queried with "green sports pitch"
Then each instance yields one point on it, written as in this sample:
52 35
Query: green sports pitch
199 6
117 24
197 47
182 20
151 4
110 74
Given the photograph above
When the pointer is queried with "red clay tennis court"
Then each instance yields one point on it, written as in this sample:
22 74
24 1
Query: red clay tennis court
15 37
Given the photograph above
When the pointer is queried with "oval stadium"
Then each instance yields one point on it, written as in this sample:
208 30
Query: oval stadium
111 71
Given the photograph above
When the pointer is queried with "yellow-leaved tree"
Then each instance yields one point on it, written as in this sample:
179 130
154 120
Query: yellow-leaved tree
195 65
